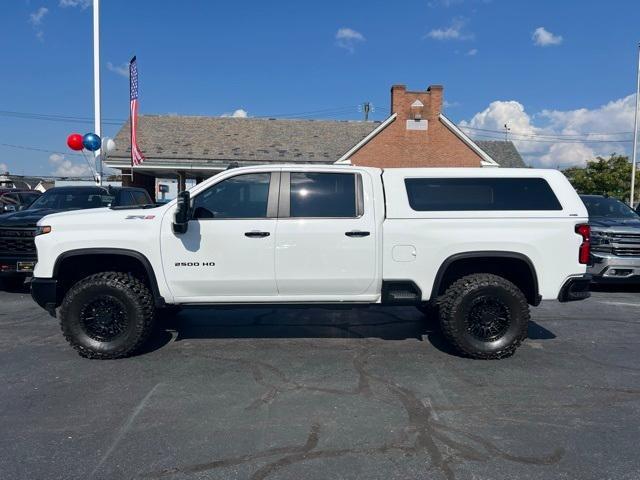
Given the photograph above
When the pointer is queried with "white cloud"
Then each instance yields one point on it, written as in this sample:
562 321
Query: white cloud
75 3
472 53
66 168
348 38
119 69
443 3
4 168
37 17
239 113
455 31
563 138
544 38
452 3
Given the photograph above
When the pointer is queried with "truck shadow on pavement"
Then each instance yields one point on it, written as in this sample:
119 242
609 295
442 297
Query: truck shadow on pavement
445 445
385 323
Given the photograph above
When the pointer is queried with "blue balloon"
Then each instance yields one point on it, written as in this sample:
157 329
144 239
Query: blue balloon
91 142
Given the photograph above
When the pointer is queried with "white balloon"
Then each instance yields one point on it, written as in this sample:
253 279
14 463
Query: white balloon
108 145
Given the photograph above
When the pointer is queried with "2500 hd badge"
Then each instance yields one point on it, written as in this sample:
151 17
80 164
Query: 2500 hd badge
195 264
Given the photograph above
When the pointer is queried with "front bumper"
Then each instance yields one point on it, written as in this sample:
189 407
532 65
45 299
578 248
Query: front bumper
12 265
575 288
606 267
45 292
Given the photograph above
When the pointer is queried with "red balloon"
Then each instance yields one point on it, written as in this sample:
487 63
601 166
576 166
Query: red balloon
75 141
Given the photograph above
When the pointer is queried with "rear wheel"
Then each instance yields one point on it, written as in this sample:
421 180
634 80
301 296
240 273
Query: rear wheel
107 315
484 316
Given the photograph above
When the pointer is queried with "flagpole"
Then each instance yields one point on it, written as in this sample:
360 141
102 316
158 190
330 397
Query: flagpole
635 136
131 119
96 84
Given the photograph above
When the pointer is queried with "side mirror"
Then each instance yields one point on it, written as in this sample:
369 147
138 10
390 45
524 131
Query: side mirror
183 210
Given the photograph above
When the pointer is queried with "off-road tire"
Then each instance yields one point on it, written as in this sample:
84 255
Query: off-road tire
123 289
467 293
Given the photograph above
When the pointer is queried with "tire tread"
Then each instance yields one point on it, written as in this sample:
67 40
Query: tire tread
461 287
144 304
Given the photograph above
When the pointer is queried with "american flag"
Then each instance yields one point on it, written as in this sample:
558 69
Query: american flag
136 155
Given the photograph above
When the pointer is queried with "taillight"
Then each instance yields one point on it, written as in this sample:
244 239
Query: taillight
584 252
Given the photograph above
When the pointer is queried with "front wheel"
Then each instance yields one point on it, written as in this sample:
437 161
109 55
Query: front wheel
107 315
484 316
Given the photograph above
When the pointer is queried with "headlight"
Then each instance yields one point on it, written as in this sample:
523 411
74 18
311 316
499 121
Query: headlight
43 230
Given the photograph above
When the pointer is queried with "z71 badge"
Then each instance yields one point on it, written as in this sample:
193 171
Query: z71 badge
140 217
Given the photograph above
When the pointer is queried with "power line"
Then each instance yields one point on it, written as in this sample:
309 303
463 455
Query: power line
555 135
116 121
55 118
568 141
36 149
325 112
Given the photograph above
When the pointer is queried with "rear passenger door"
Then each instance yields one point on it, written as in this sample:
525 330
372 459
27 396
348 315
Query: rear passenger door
325 236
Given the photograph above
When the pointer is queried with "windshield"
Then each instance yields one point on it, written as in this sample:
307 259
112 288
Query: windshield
603 207
73 200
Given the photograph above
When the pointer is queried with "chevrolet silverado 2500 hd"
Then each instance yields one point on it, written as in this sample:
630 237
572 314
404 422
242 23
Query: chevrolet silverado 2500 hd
480 244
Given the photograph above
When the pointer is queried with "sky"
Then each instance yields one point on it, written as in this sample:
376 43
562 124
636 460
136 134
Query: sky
560 74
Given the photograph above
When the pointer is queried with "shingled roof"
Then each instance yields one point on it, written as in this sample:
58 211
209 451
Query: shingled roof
170 139
175 141
505 153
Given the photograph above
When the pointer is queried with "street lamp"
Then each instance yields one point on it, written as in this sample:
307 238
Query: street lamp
635 137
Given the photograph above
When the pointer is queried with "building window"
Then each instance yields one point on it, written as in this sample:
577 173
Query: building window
473 194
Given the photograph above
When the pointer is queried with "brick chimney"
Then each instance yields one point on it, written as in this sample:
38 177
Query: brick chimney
407 104
417 137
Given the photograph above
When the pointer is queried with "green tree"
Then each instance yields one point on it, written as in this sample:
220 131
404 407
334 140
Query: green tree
605 176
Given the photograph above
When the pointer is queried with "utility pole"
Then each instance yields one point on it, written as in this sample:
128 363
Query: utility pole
506 132
96 85
366 108
635 136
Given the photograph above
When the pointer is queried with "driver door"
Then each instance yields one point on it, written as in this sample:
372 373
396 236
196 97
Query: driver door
228 249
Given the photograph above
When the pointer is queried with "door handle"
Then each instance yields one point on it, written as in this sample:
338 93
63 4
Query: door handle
357 233
256 234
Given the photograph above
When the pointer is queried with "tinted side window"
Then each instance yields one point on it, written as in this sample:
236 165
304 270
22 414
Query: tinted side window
242 196
10 198
28 197
458 194
126 199
323 195
140 198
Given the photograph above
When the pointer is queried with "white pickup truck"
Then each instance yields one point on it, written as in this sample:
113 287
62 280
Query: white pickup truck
481 245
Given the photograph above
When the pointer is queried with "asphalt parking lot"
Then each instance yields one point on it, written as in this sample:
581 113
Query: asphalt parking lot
318 394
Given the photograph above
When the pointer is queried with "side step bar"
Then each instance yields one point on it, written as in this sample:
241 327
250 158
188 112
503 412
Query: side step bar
401 292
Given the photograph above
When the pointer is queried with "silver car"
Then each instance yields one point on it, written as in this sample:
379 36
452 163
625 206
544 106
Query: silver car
615 240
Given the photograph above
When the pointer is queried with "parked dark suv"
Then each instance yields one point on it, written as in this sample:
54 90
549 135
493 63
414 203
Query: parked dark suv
17 247
615 240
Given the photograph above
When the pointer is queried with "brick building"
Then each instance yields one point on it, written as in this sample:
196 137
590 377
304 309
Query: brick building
416 134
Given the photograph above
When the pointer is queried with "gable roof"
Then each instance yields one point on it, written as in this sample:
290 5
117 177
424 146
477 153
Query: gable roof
183 139
175 141
505 153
